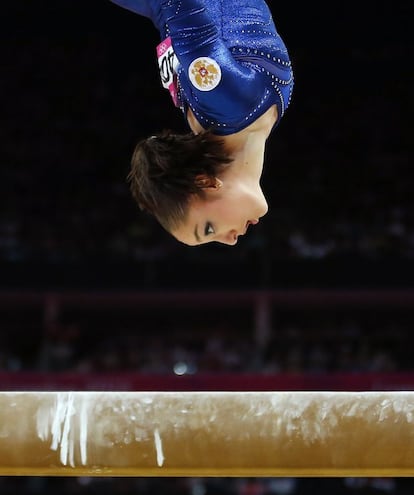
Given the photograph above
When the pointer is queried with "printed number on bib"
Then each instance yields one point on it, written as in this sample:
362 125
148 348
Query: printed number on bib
167 62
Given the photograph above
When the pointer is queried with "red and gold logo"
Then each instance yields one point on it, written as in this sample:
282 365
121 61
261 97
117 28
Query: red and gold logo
204 73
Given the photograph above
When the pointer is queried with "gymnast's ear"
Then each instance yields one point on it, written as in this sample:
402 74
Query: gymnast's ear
204 181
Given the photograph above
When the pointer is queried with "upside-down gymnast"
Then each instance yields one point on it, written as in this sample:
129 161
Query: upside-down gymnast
229 72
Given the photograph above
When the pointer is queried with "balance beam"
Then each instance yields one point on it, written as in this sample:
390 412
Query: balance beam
201 434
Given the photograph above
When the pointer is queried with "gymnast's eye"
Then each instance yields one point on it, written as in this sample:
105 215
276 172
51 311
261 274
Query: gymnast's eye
208 229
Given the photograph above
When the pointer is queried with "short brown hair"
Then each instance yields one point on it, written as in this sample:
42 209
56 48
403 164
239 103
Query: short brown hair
164 169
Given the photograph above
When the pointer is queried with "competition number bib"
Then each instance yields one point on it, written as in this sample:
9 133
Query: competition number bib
167 62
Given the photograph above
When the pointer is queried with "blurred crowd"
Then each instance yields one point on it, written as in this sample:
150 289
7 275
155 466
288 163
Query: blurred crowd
124 341
207 486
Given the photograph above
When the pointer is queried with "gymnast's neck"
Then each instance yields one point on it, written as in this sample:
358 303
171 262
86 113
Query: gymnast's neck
246 147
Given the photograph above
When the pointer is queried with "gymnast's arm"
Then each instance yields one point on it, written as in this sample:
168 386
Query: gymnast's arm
194 35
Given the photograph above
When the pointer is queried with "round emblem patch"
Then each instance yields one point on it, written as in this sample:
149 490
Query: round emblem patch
204 73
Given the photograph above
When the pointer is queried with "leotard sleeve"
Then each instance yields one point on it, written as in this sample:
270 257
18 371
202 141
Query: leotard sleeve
215 85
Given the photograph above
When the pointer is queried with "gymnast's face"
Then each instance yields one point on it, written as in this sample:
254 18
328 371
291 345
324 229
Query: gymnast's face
226 211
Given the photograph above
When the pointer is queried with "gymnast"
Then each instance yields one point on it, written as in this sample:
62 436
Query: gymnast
229 73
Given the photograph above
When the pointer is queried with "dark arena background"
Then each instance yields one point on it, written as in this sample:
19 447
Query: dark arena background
94 295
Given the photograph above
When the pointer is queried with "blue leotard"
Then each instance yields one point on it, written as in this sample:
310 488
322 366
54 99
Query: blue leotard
232 64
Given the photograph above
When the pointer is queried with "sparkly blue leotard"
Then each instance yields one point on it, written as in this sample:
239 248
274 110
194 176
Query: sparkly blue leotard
232 64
